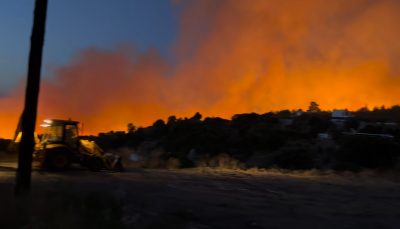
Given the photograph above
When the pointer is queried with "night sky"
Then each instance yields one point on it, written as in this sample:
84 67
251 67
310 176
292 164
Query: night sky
74 25
109 63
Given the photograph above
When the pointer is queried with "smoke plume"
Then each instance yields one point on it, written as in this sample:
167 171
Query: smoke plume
233 56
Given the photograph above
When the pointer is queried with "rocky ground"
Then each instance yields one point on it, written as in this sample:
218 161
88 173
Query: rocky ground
200 198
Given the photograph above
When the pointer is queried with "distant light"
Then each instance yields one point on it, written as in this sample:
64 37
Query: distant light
45 125
48 121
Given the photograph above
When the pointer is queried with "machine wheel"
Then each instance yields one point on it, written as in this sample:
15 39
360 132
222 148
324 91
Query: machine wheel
58 160
95 164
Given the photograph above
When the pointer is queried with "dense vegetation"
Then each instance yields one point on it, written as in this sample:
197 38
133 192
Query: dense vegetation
285 139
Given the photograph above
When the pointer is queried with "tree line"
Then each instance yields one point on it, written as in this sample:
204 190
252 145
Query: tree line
285 139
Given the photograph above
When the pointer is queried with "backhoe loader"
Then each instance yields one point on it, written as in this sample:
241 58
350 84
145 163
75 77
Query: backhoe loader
60 146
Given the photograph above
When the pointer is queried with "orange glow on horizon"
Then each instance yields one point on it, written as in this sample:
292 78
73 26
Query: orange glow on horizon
233 57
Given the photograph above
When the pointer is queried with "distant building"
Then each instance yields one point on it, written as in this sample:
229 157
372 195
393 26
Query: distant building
298 113
383 127
341 114
339 117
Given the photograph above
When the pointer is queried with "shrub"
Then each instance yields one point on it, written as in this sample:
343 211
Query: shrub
4 143
295 156
368 152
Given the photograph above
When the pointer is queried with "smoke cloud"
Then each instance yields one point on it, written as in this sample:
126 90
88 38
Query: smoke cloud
233 56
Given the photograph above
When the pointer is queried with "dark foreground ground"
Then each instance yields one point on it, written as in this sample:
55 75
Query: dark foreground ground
200 198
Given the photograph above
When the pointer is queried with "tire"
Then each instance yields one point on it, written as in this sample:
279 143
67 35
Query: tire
58 159
94 164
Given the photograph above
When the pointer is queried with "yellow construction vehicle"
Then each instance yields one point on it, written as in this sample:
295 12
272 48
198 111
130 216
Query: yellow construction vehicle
60 146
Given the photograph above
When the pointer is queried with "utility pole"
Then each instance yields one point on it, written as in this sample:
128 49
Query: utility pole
26 146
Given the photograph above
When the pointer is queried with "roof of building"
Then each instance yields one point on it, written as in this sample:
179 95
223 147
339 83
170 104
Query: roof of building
341 114
60 122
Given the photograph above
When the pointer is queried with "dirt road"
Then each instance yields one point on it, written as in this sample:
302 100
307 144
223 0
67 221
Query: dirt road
201 198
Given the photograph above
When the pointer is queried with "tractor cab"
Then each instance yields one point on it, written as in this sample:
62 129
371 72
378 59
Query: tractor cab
60 132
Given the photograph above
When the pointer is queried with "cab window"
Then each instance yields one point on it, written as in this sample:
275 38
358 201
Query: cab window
53 134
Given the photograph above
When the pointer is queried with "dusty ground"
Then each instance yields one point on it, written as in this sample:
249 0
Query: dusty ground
200 198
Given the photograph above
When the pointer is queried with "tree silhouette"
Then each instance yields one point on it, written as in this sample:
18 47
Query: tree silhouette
197 116
131 128
313 107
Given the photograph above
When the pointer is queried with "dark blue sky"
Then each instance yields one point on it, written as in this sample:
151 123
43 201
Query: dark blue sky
74 25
